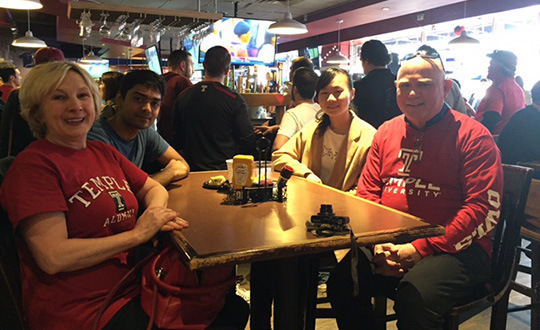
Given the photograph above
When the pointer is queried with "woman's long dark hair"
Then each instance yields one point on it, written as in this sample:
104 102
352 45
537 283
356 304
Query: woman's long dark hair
111 80
324 80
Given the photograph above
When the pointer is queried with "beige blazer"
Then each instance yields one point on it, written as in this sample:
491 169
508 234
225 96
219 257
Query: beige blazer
303 153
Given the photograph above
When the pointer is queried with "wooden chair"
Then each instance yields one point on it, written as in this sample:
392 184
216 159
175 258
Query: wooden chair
506 237
530 231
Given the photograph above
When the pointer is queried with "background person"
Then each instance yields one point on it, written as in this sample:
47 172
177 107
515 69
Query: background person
109 86
302 93
504 97
375 97
211 122
180 63
65 196
520 139
11 78
15 134
439 165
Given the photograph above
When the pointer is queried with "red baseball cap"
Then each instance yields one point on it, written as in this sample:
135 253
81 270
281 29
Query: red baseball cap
48 54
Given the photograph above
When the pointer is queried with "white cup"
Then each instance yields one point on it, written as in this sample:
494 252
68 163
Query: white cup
229 169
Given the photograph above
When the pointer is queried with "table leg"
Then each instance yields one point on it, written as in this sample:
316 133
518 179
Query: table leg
291 294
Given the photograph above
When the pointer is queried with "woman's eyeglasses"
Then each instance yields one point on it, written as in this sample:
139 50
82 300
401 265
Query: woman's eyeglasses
425 54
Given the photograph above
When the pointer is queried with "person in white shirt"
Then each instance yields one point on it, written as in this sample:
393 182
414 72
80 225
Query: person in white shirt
303 92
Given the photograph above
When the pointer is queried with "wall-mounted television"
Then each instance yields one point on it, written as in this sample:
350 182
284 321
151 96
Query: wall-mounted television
97 69
247 40
313 54
153 60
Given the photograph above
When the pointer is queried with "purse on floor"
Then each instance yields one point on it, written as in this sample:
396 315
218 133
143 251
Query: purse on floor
175 297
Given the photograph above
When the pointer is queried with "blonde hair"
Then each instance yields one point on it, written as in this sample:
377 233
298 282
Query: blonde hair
41 81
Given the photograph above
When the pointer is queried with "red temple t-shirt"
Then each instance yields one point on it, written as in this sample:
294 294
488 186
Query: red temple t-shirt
96 188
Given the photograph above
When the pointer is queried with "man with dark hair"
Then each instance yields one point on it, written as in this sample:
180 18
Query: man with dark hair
375 96
520 139
129 130
303 92
504 97
300 62
11 78
180 65
210 121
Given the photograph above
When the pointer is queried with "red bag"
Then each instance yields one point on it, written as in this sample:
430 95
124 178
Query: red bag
177 298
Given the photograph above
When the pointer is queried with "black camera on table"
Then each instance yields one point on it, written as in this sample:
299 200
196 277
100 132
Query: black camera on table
326 216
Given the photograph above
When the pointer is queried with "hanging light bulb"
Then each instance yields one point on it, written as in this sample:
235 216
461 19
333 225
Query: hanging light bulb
337 57
21 4
28 41
287 25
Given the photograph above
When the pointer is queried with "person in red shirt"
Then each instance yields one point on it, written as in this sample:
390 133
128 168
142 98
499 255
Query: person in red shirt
11 78
439 165
180 65
504 97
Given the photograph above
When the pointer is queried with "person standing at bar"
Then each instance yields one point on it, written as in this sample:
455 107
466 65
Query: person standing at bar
303 92
180 63
11 78
439 165
504 97
210 121
375 98
520 139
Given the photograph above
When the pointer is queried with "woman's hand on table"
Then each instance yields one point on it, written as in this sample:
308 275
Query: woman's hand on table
175 224
313 177
157 219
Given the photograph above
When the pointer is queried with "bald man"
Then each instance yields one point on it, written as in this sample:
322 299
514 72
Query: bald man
439 165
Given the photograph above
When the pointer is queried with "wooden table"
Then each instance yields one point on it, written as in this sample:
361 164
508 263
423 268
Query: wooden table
220 234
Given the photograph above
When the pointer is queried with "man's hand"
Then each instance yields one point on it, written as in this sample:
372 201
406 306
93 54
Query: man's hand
265 130
394 260
386 260
177 168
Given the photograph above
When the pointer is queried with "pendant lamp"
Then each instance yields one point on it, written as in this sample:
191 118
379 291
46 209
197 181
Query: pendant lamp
21 4
28 41
337 57
92 58
287 25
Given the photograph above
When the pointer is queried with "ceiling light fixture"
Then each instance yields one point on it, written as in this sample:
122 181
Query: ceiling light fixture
287 25
28 41
21 4
92 58
385 8
337 57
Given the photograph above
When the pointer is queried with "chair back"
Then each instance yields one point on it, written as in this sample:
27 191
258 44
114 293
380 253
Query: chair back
11 313
517 180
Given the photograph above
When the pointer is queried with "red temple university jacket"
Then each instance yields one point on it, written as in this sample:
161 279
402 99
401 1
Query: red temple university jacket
448 173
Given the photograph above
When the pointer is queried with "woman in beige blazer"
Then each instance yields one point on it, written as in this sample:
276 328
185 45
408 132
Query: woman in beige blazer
332 149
